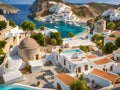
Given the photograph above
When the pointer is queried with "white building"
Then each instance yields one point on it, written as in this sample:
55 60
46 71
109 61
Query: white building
112 38
116 55
114 14
62 81
103 78
61 12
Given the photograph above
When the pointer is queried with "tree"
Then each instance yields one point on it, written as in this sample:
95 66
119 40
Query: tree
111 25
117 42
84 48
79 85
40 39
53 41
42 28
12 23
1 52
98 39
2 44
109 48
57 36
28 26
2 25
71 34
60 50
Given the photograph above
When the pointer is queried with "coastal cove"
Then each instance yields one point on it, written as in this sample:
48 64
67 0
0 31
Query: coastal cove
63 28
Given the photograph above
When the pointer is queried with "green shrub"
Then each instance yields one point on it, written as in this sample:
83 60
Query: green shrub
108 48
28 68
84 48
2 25
42 28
2 44
12 23
71 34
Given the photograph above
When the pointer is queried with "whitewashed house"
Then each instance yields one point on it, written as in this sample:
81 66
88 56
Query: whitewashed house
114 14
62 81
116 55
103 78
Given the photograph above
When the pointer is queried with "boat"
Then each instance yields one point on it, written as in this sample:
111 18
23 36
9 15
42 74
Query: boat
51 21
76 24
56 27
70 23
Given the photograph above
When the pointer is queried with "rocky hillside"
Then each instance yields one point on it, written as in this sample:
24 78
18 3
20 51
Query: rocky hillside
7 9
40 8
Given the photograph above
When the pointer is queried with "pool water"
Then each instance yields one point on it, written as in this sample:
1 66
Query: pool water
71 51
14 87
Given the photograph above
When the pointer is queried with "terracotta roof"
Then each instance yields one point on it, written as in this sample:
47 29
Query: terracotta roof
102 61
105 75
28 43
116 33
91 56
111 38
118 51
110 56
106 30
67 79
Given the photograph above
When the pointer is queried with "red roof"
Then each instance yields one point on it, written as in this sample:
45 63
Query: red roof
91 56
105 75
110 56
111 38
116 33
67 79
102 61
118 51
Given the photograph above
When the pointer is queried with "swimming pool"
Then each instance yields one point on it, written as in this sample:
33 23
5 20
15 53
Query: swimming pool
14 87
71 51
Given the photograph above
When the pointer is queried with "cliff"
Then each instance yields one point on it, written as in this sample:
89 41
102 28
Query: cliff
91 10
7 9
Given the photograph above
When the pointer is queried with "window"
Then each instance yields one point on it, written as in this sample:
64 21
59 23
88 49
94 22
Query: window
69 66
86 67
64 62
37 57
79 69
111 67
56 57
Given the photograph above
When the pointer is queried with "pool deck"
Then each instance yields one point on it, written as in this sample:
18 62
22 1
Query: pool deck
45 81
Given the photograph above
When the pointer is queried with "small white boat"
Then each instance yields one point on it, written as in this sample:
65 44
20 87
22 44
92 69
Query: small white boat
70 23
76 24
51 21
56 27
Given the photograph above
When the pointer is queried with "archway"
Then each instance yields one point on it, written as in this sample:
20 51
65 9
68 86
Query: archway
59 86
86 67
79 69
37 57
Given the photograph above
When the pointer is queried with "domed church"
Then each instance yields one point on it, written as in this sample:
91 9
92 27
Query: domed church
29 49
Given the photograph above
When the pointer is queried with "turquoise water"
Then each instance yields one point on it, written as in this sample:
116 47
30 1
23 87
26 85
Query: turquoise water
63 28
71 51
13 87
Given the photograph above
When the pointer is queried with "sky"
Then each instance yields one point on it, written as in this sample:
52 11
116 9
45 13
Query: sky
75 1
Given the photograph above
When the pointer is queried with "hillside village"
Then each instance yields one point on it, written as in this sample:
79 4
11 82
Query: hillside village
43 60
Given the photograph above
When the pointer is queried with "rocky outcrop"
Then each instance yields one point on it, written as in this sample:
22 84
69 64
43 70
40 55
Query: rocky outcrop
37 6
40 8
7 9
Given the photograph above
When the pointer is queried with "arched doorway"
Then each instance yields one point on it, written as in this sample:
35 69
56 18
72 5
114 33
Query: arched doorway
79 69
37 57
86 67
59 86
111 68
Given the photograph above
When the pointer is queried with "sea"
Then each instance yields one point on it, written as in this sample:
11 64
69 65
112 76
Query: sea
62 27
